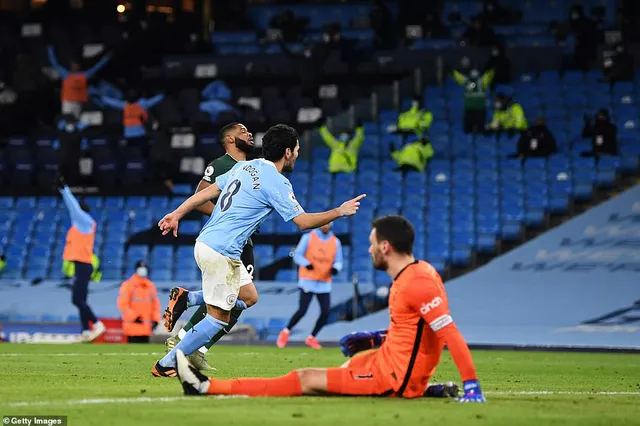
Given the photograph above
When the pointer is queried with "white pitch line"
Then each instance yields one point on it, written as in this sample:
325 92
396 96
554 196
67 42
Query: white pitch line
98 401
84 354
114 400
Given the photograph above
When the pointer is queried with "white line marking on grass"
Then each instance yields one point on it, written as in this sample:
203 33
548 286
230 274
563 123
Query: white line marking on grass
116 400
98 401
85 354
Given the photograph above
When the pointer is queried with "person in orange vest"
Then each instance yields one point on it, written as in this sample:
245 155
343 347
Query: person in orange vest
79 250
75 90
139 304
134 116
319 256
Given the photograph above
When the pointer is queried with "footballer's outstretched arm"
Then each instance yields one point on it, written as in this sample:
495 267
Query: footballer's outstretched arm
170 222
206 208
306 221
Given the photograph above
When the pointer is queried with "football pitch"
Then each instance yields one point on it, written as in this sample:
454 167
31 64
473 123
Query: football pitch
112 385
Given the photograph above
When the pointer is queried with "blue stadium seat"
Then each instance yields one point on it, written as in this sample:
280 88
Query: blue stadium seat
6 203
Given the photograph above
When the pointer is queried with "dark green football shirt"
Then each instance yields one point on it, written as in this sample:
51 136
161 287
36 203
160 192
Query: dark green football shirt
218 167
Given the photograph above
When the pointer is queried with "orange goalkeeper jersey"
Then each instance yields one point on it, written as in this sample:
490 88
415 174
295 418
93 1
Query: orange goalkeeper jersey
420 324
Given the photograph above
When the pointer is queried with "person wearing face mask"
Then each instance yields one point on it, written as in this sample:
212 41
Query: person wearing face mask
319 257
412 156
139 304
415 120
508 116
344 148
475 97
619 66
603 134
238 143
537 141
500 63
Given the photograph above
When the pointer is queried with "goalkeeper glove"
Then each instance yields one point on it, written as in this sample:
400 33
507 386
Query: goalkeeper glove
359 341
472 392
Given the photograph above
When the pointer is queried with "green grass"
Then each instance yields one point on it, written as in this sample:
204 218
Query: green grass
41 380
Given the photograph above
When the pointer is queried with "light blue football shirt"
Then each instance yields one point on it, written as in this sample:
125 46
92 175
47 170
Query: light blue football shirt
251 190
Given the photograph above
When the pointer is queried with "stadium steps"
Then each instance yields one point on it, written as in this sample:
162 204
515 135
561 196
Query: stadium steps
576 208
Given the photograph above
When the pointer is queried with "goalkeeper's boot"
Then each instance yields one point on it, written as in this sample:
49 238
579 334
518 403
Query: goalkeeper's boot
160 371
193 381
171 343
178 298
312 342
441 390
199 361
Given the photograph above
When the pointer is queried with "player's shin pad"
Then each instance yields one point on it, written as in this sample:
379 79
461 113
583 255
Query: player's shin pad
233 320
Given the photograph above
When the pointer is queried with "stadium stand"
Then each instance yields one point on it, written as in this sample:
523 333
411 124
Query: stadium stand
474 202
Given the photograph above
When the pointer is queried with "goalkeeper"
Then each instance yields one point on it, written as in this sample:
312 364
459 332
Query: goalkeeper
409 351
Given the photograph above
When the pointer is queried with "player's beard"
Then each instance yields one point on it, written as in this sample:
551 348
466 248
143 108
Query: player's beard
378 261
288 167
244 146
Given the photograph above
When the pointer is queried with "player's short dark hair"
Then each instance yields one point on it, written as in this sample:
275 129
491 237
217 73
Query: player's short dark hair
276 141
397 230
225 131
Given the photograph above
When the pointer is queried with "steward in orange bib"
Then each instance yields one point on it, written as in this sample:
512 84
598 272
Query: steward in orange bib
75 92
134 113
138 301
319 256
79 250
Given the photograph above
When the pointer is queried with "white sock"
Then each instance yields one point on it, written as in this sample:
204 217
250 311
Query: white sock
203 350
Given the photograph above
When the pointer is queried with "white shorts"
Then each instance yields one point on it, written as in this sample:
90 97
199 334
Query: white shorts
221 277
73 108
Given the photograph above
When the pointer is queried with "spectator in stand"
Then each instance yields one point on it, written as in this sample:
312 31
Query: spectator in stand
603 134
139 304
74 93
500 64
134 115
475 98
381 21
508 116
415 120
586 37
537 141
344 149
413 156
479 33
619 66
